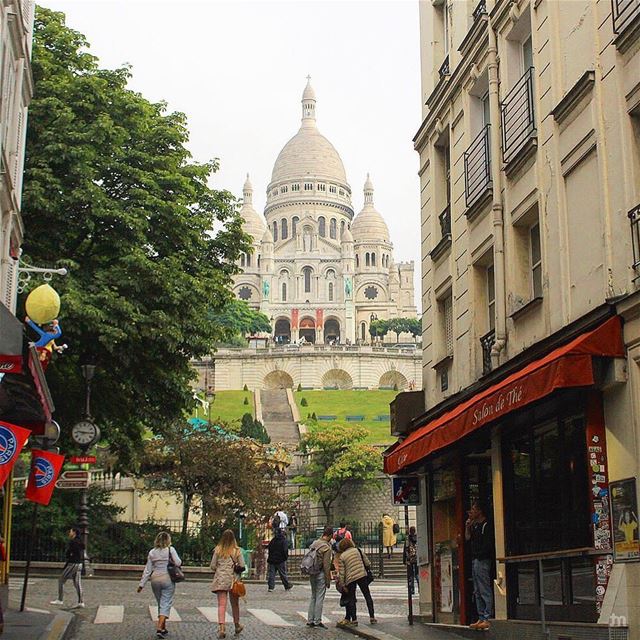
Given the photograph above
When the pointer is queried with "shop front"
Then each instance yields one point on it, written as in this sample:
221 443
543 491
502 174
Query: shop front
532 450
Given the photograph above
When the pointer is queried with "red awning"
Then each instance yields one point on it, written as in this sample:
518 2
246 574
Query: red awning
565 367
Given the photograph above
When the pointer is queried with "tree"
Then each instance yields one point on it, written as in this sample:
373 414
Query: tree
239 319
111 193
414 327
398 326
252 428
378 328
337 455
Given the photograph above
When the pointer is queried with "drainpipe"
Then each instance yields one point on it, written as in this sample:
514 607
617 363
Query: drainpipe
497 210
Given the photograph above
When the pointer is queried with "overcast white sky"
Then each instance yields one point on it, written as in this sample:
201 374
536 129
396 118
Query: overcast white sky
237 69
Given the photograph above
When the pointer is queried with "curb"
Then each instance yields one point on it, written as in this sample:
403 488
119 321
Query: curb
58 627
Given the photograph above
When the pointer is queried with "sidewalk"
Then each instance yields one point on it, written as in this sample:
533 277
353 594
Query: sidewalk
400 630
35 624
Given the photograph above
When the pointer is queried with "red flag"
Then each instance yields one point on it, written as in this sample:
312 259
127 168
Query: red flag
45 468
12 440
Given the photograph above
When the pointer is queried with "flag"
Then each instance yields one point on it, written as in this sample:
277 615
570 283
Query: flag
12 439
45 468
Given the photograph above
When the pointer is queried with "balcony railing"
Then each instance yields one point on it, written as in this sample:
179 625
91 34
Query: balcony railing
518 121
487 341
445 222
623 13
477 167
634 217
480 10
444 70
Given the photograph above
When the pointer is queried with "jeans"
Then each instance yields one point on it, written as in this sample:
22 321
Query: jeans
318 591
282 572
163 589
352 613
482 587
73 571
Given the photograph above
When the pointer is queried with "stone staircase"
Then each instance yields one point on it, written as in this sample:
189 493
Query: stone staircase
277 418
393 567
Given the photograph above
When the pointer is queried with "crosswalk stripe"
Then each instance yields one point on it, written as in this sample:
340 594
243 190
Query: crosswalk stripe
107 614
211 614
303 614
270 618
173 616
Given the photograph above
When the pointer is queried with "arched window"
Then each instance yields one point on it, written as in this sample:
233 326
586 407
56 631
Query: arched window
333 229
284 292
307 279
331 292
367 260
373 259
248 259
242 260
322 227
258 261
294 225
275 231
342 227
363 331
284 229
357 259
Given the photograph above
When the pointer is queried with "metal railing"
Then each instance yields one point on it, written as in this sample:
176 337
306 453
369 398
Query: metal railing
518 121
445 222
444 70
477 167
634 217
480 10
487 341
623 13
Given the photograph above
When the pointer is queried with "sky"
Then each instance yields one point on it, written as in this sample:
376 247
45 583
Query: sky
237 69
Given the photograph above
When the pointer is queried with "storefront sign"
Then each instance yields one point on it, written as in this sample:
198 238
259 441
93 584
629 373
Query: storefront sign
624 508
405 491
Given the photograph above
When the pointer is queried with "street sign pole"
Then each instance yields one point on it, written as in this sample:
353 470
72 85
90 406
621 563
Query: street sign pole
409 566
34 520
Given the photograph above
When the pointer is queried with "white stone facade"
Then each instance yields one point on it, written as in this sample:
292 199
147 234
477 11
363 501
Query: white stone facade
316 271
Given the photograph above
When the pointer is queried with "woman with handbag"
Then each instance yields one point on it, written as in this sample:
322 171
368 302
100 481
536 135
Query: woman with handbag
163 569
354 570
228 565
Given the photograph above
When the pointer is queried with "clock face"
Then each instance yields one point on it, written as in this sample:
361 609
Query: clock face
84 432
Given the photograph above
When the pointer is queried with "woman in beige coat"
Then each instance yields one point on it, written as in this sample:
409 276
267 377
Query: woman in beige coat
227 563
389 538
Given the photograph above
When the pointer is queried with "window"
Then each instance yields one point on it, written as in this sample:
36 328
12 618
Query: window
357 260
275 231
308 186
363 331
447 324
248 259
295 187
367 260
284 292
373 259
284 227
333 229
242 260
307 279
341 192
536 261
342 228
332 189
284 189
274 192
322 227
258 261
443 185
331 292
294 226
527 54
322 187
491 297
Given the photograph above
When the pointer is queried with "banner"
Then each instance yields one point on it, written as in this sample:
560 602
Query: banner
45 468
12 439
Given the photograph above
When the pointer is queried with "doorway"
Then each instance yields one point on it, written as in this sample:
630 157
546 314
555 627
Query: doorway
308 330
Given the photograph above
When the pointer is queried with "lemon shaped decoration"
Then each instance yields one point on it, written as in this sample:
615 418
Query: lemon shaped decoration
43 304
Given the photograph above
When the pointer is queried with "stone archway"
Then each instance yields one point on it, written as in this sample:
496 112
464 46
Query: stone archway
337 379
331 331
278 380
308 329
282 331
393 380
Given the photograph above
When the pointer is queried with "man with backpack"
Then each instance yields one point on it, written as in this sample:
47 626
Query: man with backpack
316 564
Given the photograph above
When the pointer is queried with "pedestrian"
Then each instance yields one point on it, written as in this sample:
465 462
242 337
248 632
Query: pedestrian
227 563
342 532
389 530
319 576
278 552
161 584
279 521
72 568
410 559
293 528
479 532
354 570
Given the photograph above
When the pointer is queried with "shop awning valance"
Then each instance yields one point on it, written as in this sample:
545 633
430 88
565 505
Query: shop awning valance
568 366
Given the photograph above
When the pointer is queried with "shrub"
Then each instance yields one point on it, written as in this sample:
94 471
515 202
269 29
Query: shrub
246 400
304 403
299 387
245 388
395 386
314 416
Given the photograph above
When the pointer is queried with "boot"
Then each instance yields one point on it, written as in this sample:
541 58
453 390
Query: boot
221 631
238 627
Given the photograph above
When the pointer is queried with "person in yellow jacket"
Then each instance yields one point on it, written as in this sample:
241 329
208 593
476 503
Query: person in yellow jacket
389 529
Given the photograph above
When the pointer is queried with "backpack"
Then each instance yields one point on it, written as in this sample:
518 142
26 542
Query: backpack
339 535
311 564
396 527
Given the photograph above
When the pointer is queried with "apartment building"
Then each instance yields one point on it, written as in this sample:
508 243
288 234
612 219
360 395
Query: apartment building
530 196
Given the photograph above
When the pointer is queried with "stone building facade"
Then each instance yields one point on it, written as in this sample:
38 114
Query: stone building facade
316 270
530 189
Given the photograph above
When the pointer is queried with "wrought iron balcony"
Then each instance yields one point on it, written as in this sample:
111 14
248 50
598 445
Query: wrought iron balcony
634 217
487 341
624 12
444 70
518 121
477 167
445 222
480 10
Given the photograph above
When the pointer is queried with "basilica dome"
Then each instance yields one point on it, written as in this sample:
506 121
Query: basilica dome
369 225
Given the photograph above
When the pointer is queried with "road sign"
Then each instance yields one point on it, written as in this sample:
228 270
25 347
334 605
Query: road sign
75 475
82 459
72 484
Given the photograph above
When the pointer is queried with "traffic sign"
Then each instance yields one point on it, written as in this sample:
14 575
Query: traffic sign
62 483
75 475
82 459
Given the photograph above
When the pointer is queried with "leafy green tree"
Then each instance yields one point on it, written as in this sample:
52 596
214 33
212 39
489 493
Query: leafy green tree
111 193
239 319
414 327
337 455
378 328
398 326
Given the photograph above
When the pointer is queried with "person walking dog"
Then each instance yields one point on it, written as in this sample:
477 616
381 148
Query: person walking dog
354 570
278 553
227 565
72 568
157 570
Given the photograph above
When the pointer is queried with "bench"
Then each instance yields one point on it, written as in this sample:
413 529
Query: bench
327 418
382 418
355 418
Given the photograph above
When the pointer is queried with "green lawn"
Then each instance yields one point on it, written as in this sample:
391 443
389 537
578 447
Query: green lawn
228 407
351 403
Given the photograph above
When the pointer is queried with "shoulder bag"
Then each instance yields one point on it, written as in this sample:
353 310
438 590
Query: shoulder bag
175 572
370 577
238 588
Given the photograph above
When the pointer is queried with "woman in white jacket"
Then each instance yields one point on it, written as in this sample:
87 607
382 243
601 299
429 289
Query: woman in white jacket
161 585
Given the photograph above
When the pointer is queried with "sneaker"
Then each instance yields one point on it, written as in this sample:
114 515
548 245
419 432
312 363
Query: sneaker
373 621
164 632
353 623
311 624
80 605
343 623
483 625
288 588
270 590
322 625
57 602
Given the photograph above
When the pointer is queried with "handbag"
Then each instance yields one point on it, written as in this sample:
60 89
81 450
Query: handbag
370 577
238 588
175 572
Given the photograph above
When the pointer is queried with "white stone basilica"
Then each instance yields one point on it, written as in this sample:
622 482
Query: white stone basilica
316 271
